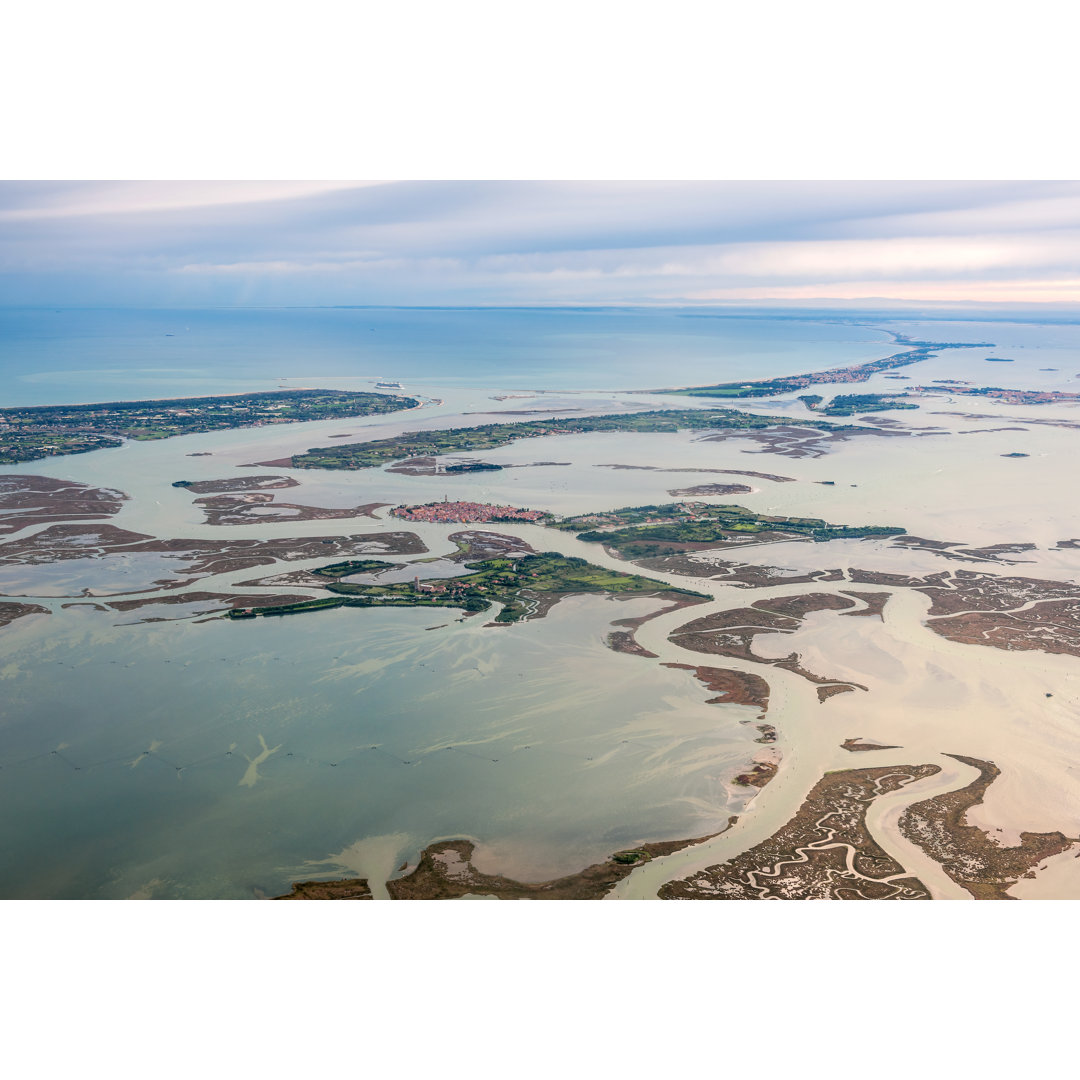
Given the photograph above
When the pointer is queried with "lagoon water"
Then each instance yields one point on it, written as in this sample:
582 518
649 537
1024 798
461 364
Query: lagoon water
203 758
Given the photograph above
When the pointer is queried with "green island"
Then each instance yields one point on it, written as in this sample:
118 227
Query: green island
368 455
473 466
527 586
353 566
641 531
919 350
850 404
39 431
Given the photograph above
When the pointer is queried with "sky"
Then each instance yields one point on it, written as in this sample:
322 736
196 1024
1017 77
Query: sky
298 243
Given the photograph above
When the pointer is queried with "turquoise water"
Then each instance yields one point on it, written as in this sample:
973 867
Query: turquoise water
65 356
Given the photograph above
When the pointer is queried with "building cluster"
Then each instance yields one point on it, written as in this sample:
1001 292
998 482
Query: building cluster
1010 397
460 512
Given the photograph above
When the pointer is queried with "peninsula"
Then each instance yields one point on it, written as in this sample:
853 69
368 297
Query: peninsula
27 434
920 350
1001 393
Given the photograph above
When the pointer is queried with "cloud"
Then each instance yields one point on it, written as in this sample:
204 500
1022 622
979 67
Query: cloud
495 242
39 202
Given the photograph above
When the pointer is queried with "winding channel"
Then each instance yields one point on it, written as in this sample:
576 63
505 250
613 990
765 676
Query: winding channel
810 748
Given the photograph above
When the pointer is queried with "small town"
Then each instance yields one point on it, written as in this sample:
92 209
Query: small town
1010 397
459 512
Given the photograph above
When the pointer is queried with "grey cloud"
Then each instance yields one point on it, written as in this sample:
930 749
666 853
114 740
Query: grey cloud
497 242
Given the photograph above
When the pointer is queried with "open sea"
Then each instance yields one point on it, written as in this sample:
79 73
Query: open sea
64 356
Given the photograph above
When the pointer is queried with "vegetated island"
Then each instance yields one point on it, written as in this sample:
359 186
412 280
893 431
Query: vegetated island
636 532
472 466
920 350
33 432
431 444
850 404
527 587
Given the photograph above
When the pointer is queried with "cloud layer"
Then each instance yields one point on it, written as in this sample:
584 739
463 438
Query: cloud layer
301 243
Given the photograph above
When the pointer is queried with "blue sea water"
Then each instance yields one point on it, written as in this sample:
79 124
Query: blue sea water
67 356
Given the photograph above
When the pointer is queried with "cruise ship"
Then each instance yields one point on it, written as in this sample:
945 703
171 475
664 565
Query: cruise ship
389 386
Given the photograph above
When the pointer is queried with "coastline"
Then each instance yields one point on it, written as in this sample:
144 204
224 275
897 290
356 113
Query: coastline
1008 800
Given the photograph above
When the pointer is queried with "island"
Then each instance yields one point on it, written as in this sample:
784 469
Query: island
428 445
462 512
39 431
472 466
850 404
527 587
640 531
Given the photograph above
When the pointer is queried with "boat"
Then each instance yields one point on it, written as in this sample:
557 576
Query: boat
389 386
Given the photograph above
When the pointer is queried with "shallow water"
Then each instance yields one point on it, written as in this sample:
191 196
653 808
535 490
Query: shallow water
375 724
195 758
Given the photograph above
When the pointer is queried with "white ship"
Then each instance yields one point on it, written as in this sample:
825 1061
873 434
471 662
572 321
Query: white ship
389 386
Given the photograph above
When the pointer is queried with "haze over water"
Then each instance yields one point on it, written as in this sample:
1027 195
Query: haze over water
52 356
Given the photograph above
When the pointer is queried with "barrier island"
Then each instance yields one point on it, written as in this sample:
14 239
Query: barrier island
920 350
430 444
39 431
